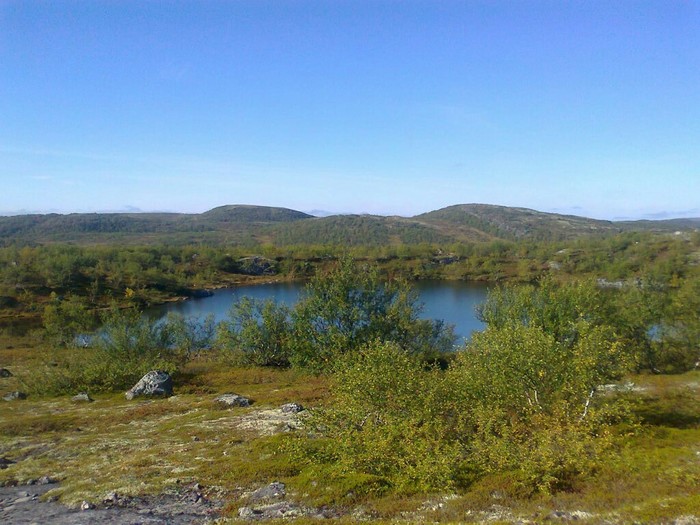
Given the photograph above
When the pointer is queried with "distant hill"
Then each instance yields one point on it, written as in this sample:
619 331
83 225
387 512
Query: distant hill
665 225
247 213
356 230
251 225
514 223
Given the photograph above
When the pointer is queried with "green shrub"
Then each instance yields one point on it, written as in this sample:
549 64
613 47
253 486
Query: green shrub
389 419
188 337
126 347
65 319
256 333
532 404
352 306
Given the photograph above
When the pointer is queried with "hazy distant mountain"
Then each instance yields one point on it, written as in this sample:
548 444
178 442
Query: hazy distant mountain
249 225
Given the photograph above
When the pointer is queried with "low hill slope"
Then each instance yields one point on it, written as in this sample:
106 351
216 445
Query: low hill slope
252 225
236 223
357 230
247 213
514 223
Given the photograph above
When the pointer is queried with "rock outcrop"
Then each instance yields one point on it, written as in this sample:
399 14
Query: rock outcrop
291 408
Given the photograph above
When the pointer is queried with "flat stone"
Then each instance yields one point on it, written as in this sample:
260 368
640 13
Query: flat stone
45 480
233 400
279 510
275 490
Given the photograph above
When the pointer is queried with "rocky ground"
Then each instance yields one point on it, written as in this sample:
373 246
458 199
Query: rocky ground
24 504
205 456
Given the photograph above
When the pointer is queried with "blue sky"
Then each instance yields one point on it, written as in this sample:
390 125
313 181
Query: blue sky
378 106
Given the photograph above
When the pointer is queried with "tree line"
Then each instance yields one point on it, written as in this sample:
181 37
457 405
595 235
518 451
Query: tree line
102 274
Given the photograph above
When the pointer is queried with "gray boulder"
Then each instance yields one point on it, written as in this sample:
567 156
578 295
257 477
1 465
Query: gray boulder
4 372
291 408
154 383
82 397
12 396
232 400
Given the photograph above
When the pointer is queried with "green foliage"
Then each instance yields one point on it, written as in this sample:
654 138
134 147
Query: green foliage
126 347
127 335
351 306
680 329
522 398
66 319
187 337
556 309
340 313
636 312
533 402
256 333
532 380
524 369
389 419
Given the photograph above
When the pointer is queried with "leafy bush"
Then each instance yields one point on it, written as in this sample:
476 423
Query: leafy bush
522 398
389 419
65 319
533 402
126 347
187 337
680 329
352 306
257 333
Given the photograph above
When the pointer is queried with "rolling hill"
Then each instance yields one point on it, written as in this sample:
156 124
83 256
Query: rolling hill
250 225
514 223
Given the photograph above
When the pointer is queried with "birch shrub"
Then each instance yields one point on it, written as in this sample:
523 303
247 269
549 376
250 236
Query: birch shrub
523 399
534 406
389 419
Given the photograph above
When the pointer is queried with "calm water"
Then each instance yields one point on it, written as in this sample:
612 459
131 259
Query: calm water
451 301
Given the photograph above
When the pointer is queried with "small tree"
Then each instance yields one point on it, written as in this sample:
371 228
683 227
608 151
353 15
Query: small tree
390 418
531 383
256 333
352 306
188 336
64 320
680 329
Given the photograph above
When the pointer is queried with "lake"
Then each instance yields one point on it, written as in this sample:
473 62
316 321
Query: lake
452 301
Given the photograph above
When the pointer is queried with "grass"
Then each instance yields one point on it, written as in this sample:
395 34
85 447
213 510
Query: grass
151 446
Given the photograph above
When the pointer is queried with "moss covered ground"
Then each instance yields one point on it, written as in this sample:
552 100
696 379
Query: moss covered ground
146 447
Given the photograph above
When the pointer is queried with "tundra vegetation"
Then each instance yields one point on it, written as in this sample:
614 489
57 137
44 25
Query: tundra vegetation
580 396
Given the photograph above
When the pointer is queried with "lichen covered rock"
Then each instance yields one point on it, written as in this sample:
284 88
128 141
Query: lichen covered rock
154 383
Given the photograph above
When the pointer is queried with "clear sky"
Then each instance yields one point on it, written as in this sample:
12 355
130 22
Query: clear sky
379 106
